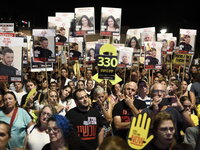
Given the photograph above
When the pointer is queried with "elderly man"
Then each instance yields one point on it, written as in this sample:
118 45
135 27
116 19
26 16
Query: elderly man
161 103
126 109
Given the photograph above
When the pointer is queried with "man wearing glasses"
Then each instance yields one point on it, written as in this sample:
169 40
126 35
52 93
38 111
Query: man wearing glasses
160 102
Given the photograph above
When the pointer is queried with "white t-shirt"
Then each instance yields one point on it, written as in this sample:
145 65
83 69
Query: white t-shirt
36 139
69 104
19 96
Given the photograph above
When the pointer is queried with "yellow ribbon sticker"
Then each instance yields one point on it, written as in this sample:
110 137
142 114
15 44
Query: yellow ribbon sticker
137 138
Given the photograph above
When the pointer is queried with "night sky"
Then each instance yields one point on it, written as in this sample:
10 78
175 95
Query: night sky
137 14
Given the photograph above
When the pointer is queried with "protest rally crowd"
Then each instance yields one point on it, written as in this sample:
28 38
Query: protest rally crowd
68 109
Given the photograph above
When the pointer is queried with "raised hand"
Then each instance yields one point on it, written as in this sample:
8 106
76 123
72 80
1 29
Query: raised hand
137 138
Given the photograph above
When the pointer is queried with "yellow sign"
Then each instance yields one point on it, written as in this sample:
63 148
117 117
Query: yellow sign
107 64
138 133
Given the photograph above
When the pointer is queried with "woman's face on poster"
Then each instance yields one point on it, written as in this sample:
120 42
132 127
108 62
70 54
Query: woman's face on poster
133 43
92 53
110 22
84 21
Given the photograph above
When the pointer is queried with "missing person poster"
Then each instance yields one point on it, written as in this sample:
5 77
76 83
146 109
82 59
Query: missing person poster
125 57
90 52
110 21
187 41
85 21
43 45
63 22
11 65
76 48
153 55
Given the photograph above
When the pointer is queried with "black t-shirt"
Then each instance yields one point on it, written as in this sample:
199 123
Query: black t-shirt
74 143
151 60
42 54
74 54
60 38
185 47
87 124
123 110
8 71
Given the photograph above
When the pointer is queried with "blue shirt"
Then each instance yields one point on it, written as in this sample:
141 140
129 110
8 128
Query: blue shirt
18 131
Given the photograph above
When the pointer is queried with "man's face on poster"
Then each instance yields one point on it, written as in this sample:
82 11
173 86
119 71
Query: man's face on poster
44 44
125 59
8 59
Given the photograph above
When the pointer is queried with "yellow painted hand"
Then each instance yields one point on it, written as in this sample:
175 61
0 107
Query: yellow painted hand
137 138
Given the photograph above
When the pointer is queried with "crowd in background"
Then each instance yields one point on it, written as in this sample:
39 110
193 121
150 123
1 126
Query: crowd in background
59 110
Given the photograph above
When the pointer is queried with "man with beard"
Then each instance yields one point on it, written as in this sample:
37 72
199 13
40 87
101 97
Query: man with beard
86 120
6 68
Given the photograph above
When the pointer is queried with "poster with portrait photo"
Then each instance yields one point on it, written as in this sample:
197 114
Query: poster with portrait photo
85 21
110 21
44 45
153 55
76 48
125 57
11 65
164 38
37 66
63 21
187 41
90 52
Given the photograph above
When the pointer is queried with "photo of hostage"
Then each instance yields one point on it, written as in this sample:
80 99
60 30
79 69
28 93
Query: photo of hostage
185 44
151 60
6 67
41 52
85 23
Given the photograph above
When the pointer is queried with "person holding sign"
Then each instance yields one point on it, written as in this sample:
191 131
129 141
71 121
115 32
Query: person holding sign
6 67
42 53
124 110
111 24
85 23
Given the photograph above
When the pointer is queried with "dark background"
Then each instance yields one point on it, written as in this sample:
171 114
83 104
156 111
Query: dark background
135 14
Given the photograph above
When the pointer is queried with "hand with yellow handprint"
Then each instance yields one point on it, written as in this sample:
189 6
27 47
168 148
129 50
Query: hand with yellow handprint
137 138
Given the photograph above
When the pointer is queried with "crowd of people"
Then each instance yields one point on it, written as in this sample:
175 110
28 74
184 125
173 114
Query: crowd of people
59 110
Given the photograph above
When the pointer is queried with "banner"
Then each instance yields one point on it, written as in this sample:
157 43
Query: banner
7 27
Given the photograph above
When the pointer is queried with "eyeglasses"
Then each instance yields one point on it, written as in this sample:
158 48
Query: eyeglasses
189 106
165 129
54 130
158 91
45 113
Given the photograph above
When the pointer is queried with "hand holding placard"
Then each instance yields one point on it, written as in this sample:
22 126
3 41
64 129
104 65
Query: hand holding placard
137 138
